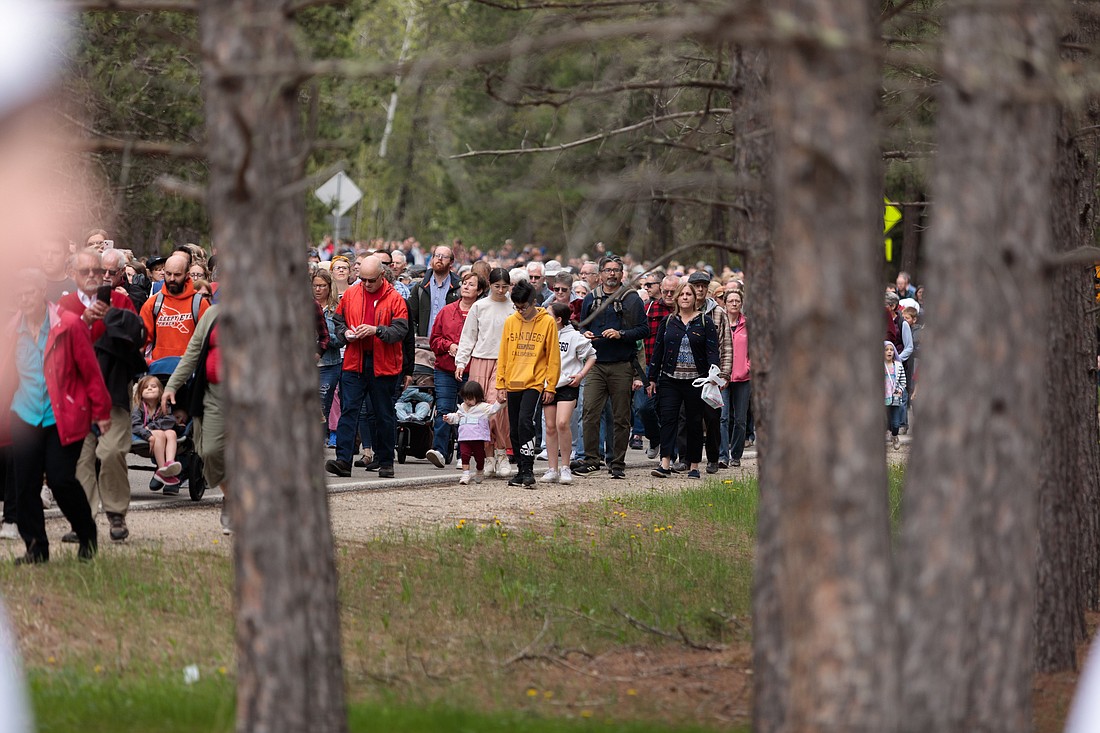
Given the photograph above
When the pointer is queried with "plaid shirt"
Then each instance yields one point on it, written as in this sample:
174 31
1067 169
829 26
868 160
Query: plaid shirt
656 311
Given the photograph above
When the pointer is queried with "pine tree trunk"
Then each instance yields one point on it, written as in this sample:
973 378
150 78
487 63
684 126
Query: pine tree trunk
288 635
1069 459
967 557
823 458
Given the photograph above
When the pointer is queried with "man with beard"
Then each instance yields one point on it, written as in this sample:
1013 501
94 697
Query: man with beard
171 315
438 288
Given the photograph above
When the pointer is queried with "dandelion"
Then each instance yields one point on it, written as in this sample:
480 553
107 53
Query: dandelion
530 514
728 482
633 536
215 542
532 692
503 534
548 694
51 660
98 669
586 713
632 692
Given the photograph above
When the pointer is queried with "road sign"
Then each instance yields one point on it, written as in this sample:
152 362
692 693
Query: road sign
889 221
339 191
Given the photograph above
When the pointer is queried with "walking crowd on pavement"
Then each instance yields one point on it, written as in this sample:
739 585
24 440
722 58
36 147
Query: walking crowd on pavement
489 360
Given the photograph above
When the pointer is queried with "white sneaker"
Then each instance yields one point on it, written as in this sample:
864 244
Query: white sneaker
458 461
9 531
435 458
504 468
227 529
465 478
565 476
544 456
490 466
550 477
479 477
47 497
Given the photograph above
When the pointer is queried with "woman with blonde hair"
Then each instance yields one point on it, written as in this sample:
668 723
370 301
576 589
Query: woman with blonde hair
340 267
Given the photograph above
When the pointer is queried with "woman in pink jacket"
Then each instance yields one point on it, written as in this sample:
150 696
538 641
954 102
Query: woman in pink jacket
738 392
51 392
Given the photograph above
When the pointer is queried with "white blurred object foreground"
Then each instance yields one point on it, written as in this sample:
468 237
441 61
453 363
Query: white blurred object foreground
13 694
1084 715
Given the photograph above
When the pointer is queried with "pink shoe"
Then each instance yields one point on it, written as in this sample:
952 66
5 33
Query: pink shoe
171 469
167 480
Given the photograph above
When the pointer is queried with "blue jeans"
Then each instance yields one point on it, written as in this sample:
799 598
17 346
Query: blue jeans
446 402
646 408
893 414
637 426
355 387
738 395
330 377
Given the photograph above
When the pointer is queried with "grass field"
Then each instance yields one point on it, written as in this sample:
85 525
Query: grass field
628 610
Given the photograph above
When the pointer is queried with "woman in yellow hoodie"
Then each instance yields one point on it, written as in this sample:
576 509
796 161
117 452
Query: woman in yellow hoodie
528 368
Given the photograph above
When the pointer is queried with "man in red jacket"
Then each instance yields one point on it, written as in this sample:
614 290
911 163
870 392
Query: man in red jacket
373 320
51 391
111 483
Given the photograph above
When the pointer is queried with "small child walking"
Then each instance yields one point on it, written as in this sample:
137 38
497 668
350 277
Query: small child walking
895 391
151 423
472 419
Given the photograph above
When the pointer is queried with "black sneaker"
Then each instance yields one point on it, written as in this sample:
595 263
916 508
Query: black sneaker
723 464
736 463
171 489
661 472
694 473
636 443
576 463
70 538
155 484
712 467
338 468
586 469
383 471
30 559
87 551
618 473
517 480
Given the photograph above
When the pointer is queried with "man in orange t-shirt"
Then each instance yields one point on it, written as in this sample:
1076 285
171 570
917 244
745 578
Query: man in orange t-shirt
178 312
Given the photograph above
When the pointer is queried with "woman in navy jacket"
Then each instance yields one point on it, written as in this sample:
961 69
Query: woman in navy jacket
685 347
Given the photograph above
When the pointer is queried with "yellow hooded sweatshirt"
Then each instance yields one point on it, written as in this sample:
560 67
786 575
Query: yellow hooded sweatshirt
529 357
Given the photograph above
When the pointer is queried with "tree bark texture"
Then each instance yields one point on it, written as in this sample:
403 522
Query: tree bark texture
967 560
823 459
288 635
1069 459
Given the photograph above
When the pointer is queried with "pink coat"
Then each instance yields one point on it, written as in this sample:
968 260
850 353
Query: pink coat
74 382
741 364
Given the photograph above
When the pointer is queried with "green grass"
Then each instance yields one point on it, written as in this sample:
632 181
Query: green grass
449 629
68 701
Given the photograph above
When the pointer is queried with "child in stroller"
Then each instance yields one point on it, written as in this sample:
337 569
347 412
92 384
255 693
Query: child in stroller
152 423
414 405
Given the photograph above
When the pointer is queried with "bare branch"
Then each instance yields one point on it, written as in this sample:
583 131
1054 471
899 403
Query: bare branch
591 138
566 6
713 153
894 11
181 188
139 147
1079 256
571 95
905 154
177 6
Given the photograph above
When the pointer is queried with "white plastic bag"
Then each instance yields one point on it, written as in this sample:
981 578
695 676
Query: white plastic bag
712 387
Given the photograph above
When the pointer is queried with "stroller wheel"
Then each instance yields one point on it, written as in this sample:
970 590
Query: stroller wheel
196 485
402 446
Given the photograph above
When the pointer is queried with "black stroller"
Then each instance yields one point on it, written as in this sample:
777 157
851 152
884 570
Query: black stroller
185 448
415 435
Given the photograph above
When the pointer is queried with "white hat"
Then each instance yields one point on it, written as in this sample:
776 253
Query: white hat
909 303
553 267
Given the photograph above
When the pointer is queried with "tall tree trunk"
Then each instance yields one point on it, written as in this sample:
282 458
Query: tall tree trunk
288 634
823 459
1069 459
968 545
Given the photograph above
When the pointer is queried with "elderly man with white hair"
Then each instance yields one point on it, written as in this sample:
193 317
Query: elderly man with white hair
536 275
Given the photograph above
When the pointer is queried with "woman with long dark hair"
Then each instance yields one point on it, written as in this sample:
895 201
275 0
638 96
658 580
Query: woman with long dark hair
331 362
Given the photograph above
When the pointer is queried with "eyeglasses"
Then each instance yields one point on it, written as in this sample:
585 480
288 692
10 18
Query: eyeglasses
534 277
371 280
86 271
520 307
668 292
612 269
652 285
441 256
114 273
561 290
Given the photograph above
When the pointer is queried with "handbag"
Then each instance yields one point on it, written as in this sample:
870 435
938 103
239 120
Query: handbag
712 387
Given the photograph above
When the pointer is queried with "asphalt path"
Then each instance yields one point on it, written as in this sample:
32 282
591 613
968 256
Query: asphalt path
414 472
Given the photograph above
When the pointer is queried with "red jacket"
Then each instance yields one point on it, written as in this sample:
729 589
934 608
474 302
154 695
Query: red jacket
447 330
71 303
391 315
77 392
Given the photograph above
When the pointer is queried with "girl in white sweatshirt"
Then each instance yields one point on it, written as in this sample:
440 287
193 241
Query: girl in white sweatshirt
577 358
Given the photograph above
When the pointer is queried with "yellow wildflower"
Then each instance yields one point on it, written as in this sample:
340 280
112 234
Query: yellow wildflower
532 692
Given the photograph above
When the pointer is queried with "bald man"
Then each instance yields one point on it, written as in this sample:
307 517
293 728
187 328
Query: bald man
171 315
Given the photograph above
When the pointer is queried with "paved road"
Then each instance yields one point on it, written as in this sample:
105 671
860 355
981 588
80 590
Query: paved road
415 472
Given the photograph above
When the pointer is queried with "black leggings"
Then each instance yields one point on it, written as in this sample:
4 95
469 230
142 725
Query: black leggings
521 418
671 394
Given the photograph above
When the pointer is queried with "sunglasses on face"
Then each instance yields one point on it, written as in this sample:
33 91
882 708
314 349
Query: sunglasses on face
86 271
114 273
668 292
652 285
561 290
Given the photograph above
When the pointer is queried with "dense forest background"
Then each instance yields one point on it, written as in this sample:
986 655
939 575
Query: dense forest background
647 107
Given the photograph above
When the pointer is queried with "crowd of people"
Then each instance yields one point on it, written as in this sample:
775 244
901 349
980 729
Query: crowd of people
505 357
